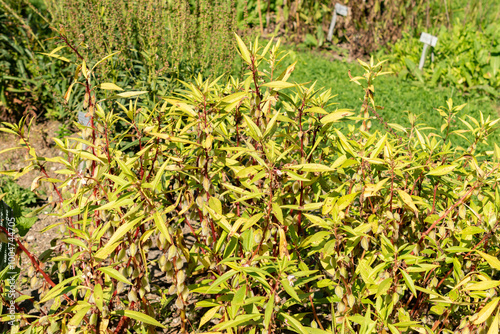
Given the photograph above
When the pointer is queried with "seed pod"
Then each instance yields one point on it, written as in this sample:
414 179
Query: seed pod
172 251
136 273
258 236
340 307
62 266
161 241
142 292
365 243
145 284
133 250
343 272
339 292
181 276
120 286
162 261
180 286
132 295
179 263
34 281
172 289
121 254
168 266
86 100
185 293
31 271
93 319
351 300
178 303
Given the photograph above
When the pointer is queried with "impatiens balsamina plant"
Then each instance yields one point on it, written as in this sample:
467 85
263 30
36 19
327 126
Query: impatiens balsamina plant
254 207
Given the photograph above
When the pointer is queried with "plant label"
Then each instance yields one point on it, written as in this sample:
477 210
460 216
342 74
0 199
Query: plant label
428 40
341 10
83 119
7 221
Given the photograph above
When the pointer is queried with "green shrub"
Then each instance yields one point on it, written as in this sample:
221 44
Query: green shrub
267 217
464 57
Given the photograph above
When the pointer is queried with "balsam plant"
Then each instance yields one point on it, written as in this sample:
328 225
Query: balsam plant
271 212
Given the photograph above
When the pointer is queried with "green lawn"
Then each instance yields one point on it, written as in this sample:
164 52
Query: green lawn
394 94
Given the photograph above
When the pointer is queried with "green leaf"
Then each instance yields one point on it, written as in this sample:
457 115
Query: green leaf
289 289
486 311
406 198
139 317
76 242
311 168
245 54
238 321
294 323
98 296
442 170
492 260
336 116
78 317
484 285
254 130
109 86
409 282
116 239
221 279
111 272
209 315
269 311
277 85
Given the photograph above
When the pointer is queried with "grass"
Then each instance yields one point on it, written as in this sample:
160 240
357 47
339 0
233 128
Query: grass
394 94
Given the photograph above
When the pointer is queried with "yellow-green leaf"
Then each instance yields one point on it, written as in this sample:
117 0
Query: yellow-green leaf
486 311
109 86
442 170
492 260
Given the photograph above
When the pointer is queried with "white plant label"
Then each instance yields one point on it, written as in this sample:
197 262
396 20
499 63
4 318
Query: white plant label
428 40
84 120
341 10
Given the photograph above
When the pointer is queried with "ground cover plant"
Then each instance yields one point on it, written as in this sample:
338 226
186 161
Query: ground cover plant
465 58
263 215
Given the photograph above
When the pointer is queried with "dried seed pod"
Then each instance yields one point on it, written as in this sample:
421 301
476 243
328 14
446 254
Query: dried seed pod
340 307
351 300
31 271
365 243
185 293
172 251
178 303
172 289
162 261
178 263
120 286
181 276
132 295
339 292
33 282
62 266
